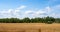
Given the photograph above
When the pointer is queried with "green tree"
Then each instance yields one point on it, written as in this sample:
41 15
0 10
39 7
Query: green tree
57 20
26 20
49 20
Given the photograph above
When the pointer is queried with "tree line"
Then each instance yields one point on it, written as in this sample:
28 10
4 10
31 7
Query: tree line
47 19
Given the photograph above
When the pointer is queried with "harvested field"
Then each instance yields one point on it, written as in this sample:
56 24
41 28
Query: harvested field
29 27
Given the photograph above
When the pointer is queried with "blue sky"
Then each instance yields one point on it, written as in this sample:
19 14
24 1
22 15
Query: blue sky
29 8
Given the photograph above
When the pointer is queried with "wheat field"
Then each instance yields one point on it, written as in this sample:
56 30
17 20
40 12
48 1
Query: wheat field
29 27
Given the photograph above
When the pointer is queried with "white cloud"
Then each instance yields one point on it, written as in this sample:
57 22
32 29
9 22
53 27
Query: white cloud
29 12
40 12
21 7
47 11
35 12
55 11
12 12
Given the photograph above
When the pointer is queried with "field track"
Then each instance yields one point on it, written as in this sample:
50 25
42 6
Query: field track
29 27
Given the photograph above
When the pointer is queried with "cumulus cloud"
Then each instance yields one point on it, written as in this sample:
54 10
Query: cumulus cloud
11 12
29 12
21 7
56 11
37 13
40 12
47 11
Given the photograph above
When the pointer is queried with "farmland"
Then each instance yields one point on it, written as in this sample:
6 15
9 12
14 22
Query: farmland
29 27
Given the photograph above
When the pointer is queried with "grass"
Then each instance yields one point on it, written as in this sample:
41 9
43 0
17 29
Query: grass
29 27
